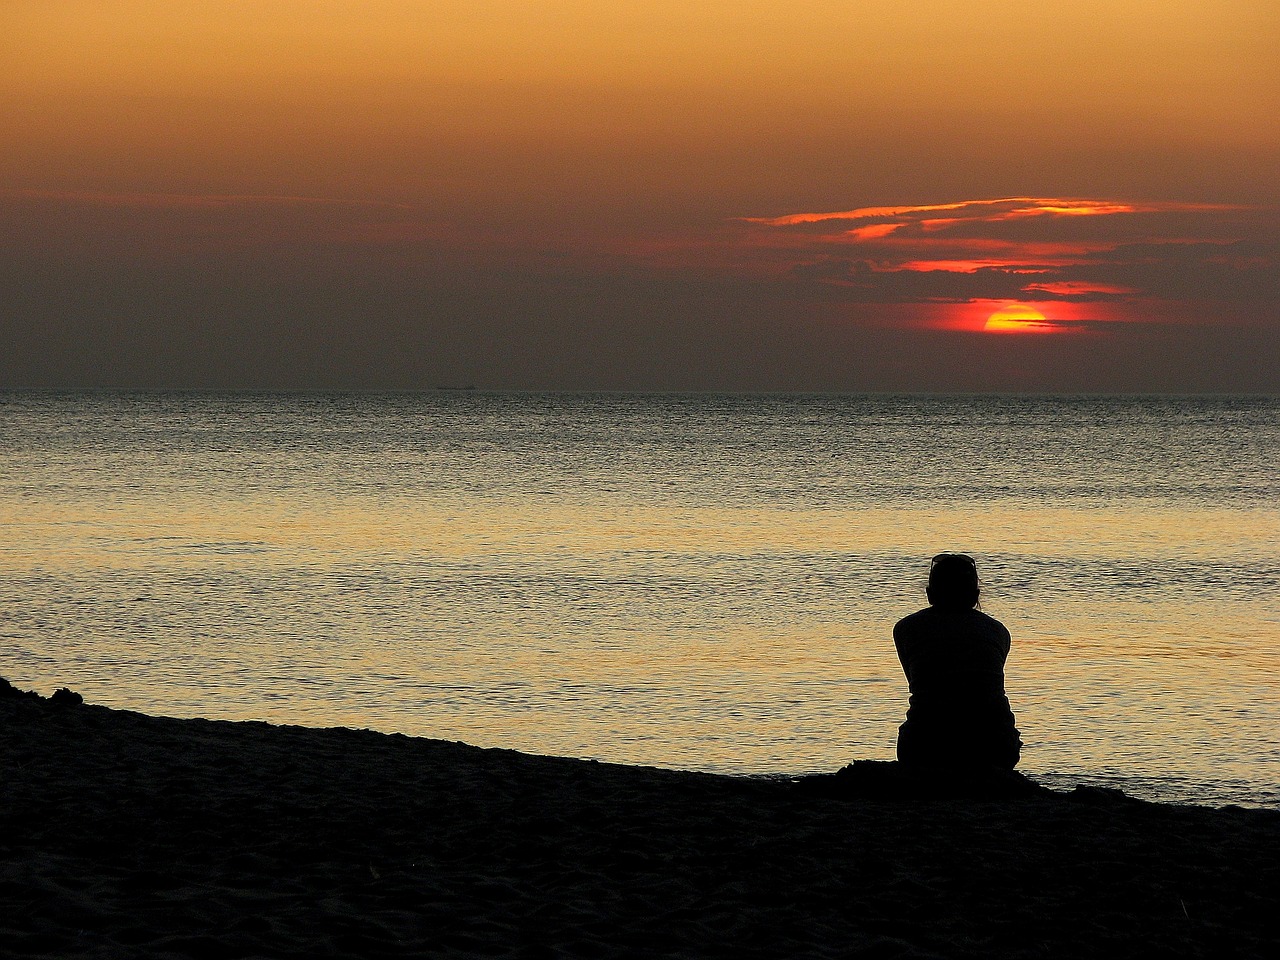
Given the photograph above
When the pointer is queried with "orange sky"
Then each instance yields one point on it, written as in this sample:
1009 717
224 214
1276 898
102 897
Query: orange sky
625 172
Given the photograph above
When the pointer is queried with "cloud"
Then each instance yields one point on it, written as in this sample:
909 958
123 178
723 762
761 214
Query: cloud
1008 208
1069 324
158 290
1073 250
136 228
186 201
1079 288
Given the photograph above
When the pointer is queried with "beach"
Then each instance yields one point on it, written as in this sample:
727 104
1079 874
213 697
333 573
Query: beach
141 836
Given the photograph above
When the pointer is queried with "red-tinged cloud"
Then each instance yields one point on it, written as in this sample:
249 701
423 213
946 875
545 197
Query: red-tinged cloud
989 211
1021 253
874 231
1080 288
863 213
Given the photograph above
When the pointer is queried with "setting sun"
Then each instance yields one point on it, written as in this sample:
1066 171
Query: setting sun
1017 318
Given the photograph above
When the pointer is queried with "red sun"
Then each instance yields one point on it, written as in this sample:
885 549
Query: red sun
1017 318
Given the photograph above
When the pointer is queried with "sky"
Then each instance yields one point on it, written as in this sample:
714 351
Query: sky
812 195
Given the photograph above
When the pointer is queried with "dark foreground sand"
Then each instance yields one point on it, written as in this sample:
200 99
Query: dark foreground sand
134 836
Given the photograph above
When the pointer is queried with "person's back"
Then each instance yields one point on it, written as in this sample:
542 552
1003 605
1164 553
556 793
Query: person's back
953 656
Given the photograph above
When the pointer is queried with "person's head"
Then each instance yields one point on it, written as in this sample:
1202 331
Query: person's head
953 581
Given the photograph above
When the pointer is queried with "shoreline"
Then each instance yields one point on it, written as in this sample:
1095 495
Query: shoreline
150 836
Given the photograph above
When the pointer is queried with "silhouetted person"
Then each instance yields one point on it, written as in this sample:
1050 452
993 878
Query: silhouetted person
953 656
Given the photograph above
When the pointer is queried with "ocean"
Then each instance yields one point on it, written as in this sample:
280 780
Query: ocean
703 582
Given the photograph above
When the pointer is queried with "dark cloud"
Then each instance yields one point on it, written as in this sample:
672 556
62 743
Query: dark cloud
1246 271
860 281
321 296
1025 249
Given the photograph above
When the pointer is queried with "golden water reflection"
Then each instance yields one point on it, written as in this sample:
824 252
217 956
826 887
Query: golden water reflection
738 639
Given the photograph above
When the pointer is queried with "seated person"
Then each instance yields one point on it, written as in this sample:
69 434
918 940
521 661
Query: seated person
953 656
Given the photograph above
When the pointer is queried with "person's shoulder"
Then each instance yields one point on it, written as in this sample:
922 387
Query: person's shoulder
918 617
991 624
912 623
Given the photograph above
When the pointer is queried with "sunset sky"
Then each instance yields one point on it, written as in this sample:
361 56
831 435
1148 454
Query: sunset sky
727 194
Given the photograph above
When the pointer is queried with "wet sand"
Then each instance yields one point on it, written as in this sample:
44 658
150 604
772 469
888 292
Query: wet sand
138 836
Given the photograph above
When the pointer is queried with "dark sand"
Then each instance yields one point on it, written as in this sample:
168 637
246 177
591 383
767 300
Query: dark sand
133 836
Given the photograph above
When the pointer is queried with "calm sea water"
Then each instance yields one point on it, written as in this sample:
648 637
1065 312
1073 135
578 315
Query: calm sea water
703 582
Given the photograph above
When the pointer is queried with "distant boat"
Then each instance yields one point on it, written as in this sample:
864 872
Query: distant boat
446 386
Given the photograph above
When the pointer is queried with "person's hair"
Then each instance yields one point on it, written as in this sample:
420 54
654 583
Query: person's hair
953 581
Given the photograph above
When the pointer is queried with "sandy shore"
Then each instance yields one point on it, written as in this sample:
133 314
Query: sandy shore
129 835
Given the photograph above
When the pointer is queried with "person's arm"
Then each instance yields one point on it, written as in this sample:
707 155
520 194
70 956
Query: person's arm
1006 641
902 643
